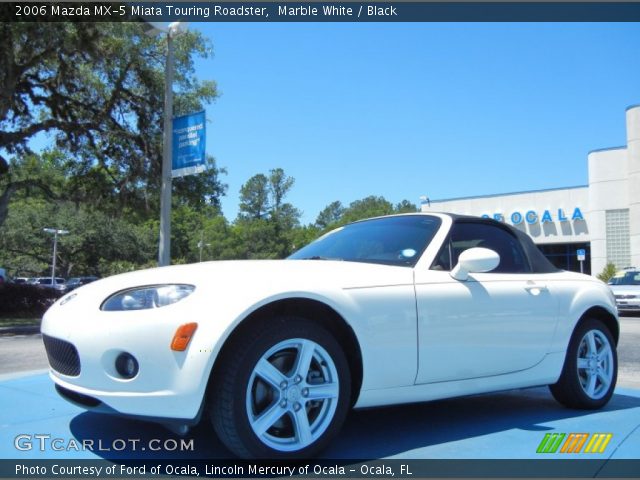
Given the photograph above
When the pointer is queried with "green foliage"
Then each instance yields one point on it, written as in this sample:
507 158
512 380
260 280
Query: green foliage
265 223
330 215
94 240
254 198
219 240
116 267
405 206
334 214
368 207
302 236
607 272
98 88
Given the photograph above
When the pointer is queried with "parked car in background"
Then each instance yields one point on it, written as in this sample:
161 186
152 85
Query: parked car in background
45 282
626 288
76 282
20 280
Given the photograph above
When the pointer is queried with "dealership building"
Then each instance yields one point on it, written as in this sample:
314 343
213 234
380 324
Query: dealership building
600 220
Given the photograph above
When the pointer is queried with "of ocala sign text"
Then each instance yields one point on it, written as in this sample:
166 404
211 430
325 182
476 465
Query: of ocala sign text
532 217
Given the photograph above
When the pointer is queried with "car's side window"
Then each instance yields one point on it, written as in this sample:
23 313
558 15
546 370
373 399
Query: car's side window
443 259
465 235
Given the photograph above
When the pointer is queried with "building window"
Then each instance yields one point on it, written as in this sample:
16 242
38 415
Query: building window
565 256
618 246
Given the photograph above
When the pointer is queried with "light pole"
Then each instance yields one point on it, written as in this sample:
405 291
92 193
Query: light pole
201 245
55 232
164 248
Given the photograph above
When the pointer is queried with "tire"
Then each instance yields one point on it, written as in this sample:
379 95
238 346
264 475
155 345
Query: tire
590 368
282 392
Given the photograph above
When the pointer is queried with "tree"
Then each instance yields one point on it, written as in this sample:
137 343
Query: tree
279 185
405 206
94 242
219 239
334 214
254 198
265 222
33 175
608 272
368 207
302 236
258 239
98 89
263 197
330 215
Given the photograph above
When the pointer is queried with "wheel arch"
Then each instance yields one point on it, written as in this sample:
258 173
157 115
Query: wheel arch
310 309
605 317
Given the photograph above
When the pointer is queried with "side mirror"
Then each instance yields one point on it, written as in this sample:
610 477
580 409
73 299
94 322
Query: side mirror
475 260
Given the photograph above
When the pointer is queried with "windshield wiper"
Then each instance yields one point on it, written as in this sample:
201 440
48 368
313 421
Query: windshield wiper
318 257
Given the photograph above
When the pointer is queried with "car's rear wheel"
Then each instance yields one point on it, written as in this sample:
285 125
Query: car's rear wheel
282 392
590 368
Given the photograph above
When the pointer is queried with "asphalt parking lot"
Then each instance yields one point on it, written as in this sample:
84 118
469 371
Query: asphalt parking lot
508 425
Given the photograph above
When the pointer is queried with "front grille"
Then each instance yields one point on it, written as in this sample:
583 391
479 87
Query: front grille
63 356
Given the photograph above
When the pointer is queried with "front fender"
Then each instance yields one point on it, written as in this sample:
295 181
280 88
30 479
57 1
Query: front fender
577 302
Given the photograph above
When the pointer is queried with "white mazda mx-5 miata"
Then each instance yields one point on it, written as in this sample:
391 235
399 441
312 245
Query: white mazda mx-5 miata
383 311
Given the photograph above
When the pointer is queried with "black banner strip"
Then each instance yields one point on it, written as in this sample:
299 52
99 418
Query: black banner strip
543 468
321 12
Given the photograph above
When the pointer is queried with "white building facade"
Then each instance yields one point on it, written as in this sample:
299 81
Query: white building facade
600 220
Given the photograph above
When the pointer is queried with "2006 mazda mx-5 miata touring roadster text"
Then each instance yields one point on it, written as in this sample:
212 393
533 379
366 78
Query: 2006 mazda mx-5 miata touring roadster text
389 310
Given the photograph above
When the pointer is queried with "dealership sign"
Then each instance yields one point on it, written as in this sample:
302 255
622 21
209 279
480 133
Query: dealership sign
532 217
189 136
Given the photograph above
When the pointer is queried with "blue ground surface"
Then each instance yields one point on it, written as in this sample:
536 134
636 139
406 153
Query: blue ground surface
507 425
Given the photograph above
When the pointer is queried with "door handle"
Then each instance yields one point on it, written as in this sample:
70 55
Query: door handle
536 289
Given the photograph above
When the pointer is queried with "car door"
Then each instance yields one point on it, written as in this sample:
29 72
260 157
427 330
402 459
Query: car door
490 324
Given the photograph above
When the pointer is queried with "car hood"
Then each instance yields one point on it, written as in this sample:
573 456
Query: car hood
625 289
258 278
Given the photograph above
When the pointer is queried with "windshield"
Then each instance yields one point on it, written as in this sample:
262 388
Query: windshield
627 278
388 240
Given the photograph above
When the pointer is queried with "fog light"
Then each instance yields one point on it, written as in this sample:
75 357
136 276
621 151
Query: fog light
126 365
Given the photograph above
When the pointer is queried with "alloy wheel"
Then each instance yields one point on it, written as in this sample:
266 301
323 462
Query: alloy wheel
292 394
595 364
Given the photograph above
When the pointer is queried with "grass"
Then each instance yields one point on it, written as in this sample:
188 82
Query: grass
19 321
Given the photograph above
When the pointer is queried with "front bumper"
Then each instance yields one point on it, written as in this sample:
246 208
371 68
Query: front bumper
168 385
178 425
628 304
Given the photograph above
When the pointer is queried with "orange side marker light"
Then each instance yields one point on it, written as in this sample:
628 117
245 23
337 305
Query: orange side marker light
183 336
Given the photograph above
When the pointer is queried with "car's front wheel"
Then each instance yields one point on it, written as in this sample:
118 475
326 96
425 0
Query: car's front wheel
283 390
590 368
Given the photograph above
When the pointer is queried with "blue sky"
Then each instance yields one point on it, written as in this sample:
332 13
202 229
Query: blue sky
404 110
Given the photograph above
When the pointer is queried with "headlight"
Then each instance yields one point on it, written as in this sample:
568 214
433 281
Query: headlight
142 298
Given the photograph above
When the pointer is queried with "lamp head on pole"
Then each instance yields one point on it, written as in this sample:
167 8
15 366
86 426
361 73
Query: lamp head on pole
173 29
55 231
424 200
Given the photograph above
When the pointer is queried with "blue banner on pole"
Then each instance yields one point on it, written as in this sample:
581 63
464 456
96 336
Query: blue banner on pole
189 138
